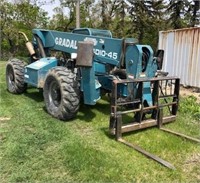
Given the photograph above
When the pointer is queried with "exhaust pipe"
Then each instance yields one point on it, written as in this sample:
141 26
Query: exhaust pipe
29 46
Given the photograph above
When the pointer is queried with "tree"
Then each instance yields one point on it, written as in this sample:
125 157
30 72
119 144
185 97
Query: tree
138 12
86 16
121 21
194 13
156 22
177 13
7 15
20 16
60 21
63 22
103 13
147 19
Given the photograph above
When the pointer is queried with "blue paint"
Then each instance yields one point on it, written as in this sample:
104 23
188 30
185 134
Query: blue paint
36 72
93 32
90 86
108 52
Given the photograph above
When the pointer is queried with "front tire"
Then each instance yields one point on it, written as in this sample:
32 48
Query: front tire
15 76
62 93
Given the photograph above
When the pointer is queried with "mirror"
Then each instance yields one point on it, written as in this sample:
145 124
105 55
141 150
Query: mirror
160 55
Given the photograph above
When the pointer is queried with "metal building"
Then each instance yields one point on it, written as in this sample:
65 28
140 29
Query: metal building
182 54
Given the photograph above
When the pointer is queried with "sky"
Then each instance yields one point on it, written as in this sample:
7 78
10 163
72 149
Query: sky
50 6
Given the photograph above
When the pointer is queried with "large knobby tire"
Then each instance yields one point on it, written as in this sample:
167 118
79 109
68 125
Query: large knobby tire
62 93
15 76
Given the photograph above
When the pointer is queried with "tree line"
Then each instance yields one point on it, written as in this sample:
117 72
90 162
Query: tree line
141 19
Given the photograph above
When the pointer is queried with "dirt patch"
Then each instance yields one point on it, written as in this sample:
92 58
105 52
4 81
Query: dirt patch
188 91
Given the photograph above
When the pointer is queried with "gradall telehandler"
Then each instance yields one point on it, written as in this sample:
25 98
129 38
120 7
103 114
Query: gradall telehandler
90 63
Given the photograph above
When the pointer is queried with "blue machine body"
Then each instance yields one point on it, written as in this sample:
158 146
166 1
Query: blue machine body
93 32
108 53
36 72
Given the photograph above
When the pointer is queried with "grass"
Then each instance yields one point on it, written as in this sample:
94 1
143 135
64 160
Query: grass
34 147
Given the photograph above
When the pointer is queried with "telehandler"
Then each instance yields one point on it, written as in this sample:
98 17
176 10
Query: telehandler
88 63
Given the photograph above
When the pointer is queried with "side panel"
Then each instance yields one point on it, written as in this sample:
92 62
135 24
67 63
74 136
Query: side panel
36 72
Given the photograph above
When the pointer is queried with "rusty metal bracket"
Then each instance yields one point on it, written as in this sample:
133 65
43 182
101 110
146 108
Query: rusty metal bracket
118 107
157 118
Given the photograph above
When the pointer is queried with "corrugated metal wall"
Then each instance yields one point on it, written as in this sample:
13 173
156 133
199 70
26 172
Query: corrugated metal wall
182 54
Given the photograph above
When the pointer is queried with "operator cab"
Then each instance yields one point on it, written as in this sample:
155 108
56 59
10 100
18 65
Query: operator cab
93 32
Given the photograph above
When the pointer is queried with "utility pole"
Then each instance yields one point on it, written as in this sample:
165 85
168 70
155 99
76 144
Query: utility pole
78 14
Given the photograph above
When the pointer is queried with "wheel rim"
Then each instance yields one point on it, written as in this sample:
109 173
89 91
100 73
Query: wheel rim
55 93
10 76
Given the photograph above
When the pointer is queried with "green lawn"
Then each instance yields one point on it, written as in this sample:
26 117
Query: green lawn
34 147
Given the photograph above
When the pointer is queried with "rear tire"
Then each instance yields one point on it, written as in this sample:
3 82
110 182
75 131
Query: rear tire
61 93
15 76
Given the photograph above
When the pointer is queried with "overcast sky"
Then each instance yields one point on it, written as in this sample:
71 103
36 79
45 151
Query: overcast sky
50 6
